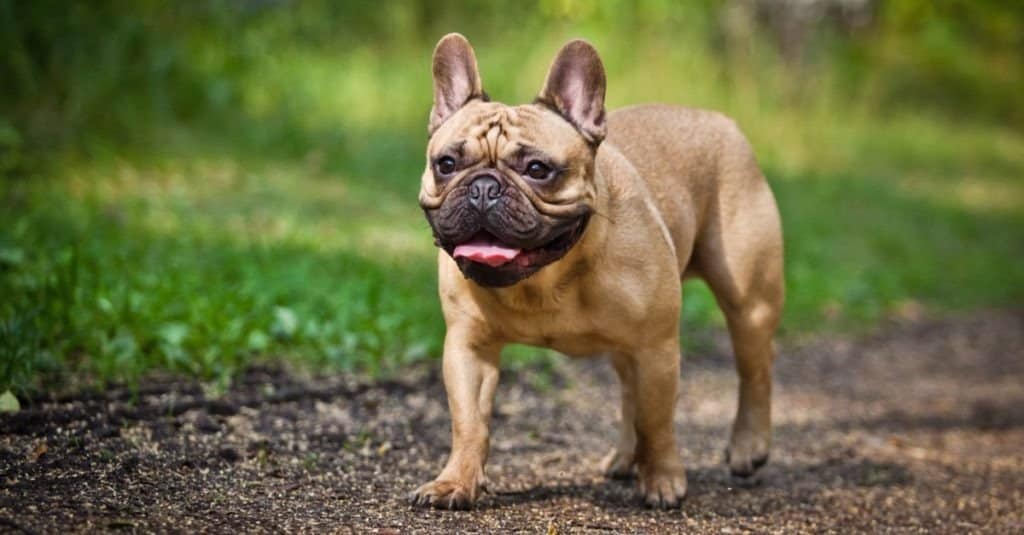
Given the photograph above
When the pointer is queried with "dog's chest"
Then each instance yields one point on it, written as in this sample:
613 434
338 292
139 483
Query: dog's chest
565 337
574 331
586 318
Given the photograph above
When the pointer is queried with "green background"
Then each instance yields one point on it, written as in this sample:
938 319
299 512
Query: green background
198 185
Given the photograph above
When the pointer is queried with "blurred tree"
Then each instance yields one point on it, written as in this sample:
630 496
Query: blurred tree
793 23
75 70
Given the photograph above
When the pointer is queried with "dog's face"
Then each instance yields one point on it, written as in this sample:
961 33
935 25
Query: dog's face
509 189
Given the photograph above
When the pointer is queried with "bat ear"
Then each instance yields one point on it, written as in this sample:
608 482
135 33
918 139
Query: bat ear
456 78
575 88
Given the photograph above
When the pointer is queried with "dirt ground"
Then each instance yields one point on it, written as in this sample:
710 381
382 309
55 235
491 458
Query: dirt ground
917 428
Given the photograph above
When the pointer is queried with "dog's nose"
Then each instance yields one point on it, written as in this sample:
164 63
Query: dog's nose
484 192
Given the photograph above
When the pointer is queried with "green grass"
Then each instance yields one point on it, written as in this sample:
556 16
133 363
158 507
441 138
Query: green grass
282 222
201 266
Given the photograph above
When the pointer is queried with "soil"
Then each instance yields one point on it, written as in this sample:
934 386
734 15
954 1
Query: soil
916 428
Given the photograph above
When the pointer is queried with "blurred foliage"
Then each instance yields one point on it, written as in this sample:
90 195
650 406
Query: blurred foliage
959 56
78 70
192 185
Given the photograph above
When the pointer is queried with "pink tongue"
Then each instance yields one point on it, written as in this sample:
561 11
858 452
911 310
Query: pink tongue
486 252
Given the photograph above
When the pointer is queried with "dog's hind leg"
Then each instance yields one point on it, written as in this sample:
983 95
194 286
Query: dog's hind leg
751 331
739 255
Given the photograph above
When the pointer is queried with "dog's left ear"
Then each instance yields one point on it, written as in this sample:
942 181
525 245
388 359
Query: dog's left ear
456 78
575 89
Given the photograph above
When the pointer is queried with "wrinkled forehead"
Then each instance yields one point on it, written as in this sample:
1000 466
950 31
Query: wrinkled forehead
493 129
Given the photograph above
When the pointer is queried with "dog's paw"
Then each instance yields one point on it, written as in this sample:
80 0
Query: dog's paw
618 465
445 494
663 488
747 452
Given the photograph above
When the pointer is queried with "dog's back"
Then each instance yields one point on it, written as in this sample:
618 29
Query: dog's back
701 171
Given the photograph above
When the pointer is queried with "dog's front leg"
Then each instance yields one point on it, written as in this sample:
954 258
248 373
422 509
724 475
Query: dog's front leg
656 374
470 377
621 459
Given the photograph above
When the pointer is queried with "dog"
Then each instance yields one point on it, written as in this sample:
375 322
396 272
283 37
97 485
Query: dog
564 227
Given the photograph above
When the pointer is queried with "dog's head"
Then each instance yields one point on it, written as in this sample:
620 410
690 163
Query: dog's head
510 189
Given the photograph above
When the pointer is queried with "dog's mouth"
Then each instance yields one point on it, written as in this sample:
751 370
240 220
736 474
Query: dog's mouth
488 260
487 249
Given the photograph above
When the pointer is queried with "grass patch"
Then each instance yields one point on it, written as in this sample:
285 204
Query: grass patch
204 267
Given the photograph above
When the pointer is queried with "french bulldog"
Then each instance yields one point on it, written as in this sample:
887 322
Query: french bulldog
564 227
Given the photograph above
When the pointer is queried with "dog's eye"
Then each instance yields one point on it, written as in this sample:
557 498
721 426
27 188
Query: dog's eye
445 165
537 170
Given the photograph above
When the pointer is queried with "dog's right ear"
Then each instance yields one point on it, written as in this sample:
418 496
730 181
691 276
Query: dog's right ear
456 78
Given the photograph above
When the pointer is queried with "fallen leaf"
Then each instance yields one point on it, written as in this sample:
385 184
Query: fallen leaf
39 451
9 402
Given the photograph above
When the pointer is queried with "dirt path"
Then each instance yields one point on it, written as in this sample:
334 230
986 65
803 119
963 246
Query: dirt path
918 428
